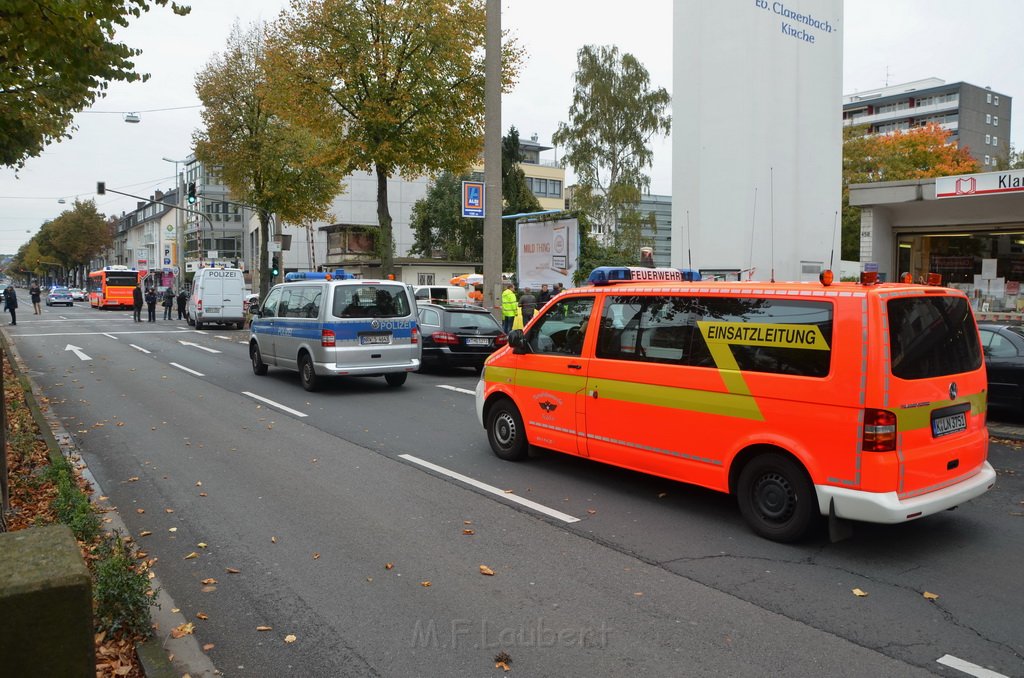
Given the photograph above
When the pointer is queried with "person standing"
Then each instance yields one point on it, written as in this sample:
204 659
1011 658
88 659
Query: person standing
36 295
137 303
11 303
182 300
529 304
168 303
544 296
509 306
151 304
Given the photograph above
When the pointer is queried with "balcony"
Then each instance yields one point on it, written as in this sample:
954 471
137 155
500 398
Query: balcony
916 112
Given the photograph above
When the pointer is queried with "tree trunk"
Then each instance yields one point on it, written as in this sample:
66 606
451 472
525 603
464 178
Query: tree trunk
264 261
385 244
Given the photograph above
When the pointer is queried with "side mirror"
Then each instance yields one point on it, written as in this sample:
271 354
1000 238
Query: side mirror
517 341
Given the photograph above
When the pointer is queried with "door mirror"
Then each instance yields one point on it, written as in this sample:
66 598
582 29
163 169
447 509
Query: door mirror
517 341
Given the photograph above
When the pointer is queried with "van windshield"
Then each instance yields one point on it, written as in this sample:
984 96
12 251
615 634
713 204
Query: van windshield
370 301
932 336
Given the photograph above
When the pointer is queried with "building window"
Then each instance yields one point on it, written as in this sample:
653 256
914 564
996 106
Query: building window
988 97
988 118
995 141
996 100
988 138
995 120
424 278
988 160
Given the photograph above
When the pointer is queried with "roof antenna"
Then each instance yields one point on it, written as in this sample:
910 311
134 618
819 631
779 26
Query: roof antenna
689 257
771 196
832 256
753 225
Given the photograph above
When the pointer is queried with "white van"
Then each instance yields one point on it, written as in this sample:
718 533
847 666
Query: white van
441 294
218 296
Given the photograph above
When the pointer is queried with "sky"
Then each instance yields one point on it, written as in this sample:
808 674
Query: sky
884 42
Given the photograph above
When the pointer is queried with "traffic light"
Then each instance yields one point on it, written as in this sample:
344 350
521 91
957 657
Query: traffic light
192 193
274 270
101 188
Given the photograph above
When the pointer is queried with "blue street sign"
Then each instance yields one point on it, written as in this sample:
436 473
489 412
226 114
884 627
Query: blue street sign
473 199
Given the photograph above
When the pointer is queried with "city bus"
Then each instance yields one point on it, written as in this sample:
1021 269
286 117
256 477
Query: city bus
111 287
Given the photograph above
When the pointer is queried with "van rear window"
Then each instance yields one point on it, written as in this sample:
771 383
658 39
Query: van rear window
370 301
932 336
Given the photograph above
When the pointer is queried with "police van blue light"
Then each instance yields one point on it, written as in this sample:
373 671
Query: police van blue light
338 274
606 275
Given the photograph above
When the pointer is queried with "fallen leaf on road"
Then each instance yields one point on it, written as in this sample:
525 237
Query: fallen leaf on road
202 494
202 615
264 628
468 531
172 529
273 540
168 510
120 423
591 511
467 522
208 647
183 630
133 478
290 638
140 511
930 596
192 555
389 566
316 556
145 533
424 583
859 593
201 545
199 483
209 581
486 570
231 570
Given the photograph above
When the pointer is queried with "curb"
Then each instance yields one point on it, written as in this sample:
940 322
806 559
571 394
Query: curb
154 653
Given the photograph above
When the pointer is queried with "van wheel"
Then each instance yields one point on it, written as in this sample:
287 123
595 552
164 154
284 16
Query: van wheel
198 324
506 433
307 375
776 498
189 321
396 378
259 368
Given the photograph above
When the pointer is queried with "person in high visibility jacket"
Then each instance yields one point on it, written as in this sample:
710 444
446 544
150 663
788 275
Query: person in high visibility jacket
509 307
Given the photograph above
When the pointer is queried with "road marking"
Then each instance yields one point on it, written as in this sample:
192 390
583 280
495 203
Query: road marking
182 367
457 389
967 667
108 334
221 336
565 517
93 334
77 351
139 348
273 404
202 348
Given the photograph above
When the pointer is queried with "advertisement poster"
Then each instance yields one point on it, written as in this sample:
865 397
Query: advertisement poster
547 252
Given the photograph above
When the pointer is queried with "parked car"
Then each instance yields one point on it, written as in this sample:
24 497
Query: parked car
1004 361
78 294
459 335
59 295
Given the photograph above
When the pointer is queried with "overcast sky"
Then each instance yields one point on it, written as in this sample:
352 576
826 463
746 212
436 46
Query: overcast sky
890 41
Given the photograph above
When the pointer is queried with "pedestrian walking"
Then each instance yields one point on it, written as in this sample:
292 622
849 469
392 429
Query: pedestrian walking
168 303
11 303
36 295
528 302
509 307
182 300
137 303
151 304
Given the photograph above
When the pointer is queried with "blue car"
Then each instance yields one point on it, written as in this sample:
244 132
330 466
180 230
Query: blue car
59 295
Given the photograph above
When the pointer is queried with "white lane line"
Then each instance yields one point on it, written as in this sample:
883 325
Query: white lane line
195 345
457 389
182 367
139 348
967 667
540 508
93 334
221 336
108 334
273 404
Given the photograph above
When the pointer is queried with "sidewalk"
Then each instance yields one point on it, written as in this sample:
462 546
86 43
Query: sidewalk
1006 430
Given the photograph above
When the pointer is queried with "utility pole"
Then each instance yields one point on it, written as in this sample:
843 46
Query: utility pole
492 160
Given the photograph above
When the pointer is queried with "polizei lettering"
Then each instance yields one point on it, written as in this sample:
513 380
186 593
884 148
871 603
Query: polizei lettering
216 273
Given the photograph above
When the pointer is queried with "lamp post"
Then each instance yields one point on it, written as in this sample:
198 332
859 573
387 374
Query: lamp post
179 234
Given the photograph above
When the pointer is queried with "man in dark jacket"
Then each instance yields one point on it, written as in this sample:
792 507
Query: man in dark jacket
137 303
11 303
151 304
182 300
168 303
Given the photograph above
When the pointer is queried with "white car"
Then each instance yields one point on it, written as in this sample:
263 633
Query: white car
77 294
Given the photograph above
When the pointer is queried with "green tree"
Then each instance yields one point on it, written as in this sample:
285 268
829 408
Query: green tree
397 86
1014 160
518 198
614 114
267 162
917 154
56 58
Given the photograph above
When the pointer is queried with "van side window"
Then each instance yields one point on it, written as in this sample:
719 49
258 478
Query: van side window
269 308
562 328
307 305
761 335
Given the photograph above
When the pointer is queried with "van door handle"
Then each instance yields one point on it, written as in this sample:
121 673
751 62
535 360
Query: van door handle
574 366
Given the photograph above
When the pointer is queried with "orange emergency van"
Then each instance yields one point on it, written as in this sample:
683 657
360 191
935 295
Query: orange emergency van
859 401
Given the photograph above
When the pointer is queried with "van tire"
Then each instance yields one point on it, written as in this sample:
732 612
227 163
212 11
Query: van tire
307 375
506 433
776 497
198 324
396 378
259 368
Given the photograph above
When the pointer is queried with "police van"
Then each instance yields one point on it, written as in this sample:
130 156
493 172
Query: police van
856 401
217 297
324 325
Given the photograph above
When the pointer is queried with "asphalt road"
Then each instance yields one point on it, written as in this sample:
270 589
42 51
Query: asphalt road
610 573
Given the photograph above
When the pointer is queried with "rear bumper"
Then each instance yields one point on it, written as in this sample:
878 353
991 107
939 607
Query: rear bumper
334 369
887 507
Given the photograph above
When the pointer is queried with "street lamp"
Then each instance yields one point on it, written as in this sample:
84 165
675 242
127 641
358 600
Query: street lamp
179 235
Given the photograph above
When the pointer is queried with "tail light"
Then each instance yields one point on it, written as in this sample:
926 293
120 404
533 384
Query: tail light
500 340
327 338
199 304
415 338
445 338
879 431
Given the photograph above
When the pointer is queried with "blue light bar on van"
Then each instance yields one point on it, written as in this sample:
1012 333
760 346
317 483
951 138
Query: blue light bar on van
606 275
338 274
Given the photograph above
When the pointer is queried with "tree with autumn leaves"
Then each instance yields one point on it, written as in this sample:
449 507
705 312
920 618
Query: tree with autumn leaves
70 241
919 153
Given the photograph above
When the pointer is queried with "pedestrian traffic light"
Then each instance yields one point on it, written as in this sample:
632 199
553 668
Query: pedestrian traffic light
192 193
274 270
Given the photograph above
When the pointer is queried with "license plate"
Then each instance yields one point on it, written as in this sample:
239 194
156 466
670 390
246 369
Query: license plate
478 341
373 339
953 423
213 309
